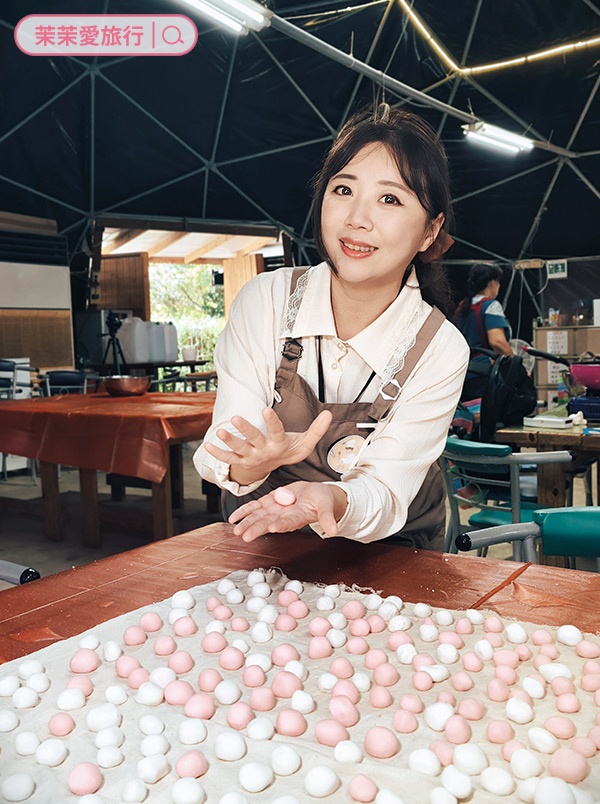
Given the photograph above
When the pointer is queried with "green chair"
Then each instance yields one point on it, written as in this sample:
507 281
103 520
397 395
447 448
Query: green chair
488 477
566 532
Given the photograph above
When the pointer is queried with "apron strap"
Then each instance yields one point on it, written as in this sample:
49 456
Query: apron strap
391 391
292 348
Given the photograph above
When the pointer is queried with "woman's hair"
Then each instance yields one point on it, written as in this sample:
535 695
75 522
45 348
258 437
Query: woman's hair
480 276
421 161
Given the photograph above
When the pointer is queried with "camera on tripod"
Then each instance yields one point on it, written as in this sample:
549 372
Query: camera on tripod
113 324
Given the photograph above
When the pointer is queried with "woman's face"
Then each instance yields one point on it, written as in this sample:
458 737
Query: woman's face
372 223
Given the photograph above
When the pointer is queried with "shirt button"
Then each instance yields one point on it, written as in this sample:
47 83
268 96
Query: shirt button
334 365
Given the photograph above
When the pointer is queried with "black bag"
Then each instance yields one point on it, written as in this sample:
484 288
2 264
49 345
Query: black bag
509 396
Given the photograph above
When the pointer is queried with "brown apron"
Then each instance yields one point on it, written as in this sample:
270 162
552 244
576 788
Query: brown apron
299 406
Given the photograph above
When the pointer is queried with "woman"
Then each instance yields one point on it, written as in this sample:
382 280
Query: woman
481 320
346 375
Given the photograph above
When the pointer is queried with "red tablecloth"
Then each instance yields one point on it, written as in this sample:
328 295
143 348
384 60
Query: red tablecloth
125 435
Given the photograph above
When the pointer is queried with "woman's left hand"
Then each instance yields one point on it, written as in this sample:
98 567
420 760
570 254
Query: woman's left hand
315 502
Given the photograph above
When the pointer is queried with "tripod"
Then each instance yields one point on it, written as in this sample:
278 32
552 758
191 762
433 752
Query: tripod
113 322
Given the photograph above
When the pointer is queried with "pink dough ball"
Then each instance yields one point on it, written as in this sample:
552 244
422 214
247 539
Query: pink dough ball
254 676
213 642
494 639
375 657
319 626
284 496
405 722
457 730
61 724
184 626
445 696
85 661
125 664
471 709
151 622
590 682
239 715
508 657
231 658
82 683
286 596
347 688
191 765
290 723
134 635
561 685
165 645
412 703
561 727
208 679
522 695
85 778
420 659
285 622
540 659
353 609
397 638
471 662
422 681
493 625
240 624
298 609
180 662
359 627
385 675
357 646
568 703
262 699
571 766
499 731
443 751
376 623
506 674
282 654
523 652
330 732
584 746
509 748
362 789
285 684
451 638
380 697
200 705
138 677
594 735
549 650
212 603
590 667
381 743
222 613
177 693
463 626
342 709
587 649
462 682
341 668
541 637
497 690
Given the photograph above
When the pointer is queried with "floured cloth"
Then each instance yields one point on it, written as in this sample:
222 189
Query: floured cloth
393 774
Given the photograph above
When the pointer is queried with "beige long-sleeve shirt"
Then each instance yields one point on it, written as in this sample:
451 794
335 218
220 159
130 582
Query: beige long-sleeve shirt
397 454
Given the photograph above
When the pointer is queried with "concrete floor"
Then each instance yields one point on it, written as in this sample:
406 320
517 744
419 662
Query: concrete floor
22 535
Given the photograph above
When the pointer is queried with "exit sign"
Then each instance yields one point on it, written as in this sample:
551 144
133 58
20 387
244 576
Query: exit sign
557 269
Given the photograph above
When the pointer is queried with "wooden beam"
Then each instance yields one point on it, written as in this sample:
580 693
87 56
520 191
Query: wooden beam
13 222
182 261
259 242
165 242
124 236
186 225
207 247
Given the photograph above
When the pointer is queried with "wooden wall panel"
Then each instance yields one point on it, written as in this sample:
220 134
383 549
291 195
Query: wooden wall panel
124 284
44 336
236 272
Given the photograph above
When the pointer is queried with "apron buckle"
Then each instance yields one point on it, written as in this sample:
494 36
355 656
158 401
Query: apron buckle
292 350
387 396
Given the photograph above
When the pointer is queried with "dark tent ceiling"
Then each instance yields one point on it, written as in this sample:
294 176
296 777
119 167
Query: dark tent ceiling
234 130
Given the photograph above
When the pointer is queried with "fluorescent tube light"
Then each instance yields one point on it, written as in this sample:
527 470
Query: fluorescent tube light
243 14
504 146
214 14
497 137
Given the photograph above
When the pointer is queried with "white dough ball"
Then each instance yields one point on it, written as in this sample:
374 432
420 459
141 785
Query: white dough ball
436 716
111 651
387 610
233 798
89 641
295 586
183 599
484 650
524 764
542 740
429 632
39 682
154 744
325 603
225 585
424 761
177 614
29 667
261 590
134 791
582 796
268 614
262 660
255 776
361 681
260 728
103 716
227 692
230 746
439 795
8 720
215 625
151 724
447 653
518 711
337 620
517 635
569 635
285 760
255 604
438 672
70 699
234 597
553 791
161 676
533 687
406 653
321 781
109 757
326 682
497 781
387 797
261 632
149 694
192 731
302 701
422 610
51 752
254 577
336 637
115 695
26 743
296 668
17 787
151 769
443 617
526 789
397 601
187 791
400 622
109 737
8 686
474 616
552 670
347 751
469 758
332 590
456 782
25 698
372 602
241 644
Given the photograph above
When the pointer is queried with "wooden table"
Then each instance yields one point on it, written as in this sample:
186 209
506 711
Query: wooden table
138 437
64 605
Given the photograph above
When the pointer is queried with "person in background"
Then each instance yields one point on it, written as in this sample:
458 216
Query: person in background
337 383
481 319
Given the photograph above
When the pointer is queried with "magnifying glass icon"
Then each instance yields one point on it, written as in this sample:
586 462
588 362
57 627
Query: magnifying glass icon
179 39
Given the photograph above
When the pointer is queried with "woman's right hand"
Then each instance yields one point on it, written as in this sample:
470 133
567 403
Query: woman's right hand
258 454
